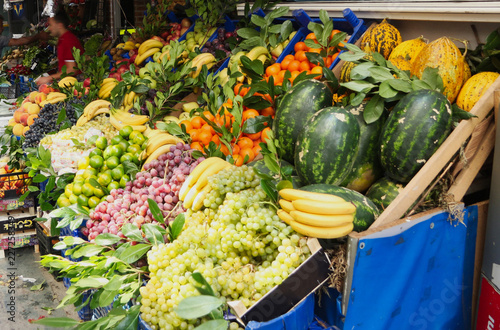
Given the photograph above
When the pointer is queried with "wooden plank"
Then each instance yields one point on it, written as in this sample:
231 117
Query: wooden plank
466 176
497 104
481 233
439 160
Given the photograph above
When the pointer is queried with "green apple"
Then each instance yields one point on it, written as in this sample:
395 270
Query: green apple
143 72
190 35
152 82
156 56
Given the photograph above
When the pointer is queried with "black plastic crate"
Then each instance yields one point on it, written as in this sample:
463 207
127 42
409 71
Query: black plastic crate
10 92
13 185
45 242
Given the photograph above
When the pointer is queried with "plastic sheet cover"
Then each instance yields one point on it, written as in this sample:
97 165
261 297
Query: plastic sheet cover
417 278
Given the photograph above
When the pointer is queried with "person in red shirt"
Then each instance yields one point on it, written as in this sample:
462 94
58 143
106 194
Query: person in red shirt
58 27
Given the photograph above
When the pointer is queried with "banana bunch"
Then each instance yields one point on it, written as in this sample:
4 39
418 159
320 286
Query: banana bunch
196 188
52 98
200 60
106 87
129 45
316 214
121 117
129 99
93 109
166 52
148 48
67 82
159 142
257 53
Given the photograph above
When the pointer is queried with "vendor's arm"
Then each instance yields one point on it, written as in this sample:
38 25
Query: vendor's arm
70 68
28 40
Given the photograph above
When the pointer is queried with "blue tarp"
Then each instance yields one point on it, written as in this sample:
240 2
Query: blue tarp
415 276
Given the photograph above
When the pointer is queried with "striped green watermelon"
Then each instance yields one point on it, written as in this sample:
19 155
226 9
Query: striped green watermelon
383 192
296 107
366 211
416 127
366 168
327 146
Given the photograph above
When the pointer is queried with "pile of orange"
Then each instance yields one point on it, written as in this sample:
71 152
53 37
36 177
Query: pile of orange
299 63
247 145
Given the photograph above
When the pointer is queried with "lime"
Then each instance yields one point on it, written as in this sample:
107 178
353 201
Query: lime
117 151
128 156
284 184
124 145
88 172
123 181
77 188
94 201
87 180
133 135
68 190
79 179
96 161
63 201
88 190
125 131
83 163
134 149
104 179
113 185
107 152
95 152
103 198
101 142
112 162
117 173
104 168
83 200
98 192
139 139
144 145
117 139
73 199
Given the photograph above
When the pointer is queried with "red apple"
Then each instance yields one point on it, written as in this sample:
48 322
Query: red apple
86 82
132 58
156 38
132 52
165 35
87 90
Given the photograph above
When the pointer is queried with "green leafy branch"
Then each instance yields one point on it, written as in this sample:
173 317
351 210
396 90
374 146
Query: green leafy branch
12 147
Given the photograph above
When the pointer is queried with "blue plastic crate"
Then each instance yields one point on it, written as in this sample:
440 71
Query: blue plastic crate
350 24
26 85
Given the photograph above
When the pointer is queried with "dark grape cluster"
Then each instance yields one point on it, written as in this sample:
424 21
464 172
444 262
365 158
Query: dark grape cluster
161 181
47 121
221 42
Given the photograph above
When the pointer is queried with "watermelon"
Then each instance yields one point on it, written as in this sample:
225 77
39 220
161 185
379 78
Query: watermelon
327 146
366 168
296 107
383 192
416 127
366 211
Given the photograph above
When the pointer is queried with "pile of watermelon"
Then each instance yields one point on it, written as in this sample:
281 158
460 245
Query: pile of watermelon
334 150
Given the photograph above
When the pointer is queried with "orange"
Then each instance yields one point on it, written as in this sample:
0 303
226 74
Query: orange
236 149
273 69
250 113
264 135
265 96
269 111
197 146
245 142
318 70
187 124
197 122
256 142
254 136
277 79
238 160
247 152
294 75
301 56
285 63
294 66
224 149
195 135
304 66
256 150
281 75
209 115
204 137
289 57
314 50
237 88
311 36
299 46
216 139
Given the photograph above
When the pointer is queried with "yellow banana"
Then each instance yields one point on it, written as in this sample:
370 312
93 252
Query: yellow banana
147 45
196 173
57 99
283 215
263 58
158 152
294 194
119 125
159 140
286 205
81 121
120 45
128 118
326 208
108 80
168 119
190 197
105 90
147 133
200 198
129 45
141 58
321 220
93 106
200 60
256 52
55 95
321 232
67 82
214 169
99 112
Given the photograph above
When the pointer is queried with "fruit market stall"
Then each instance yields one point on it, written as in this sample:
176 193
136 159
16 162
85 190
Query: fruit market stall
246 171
